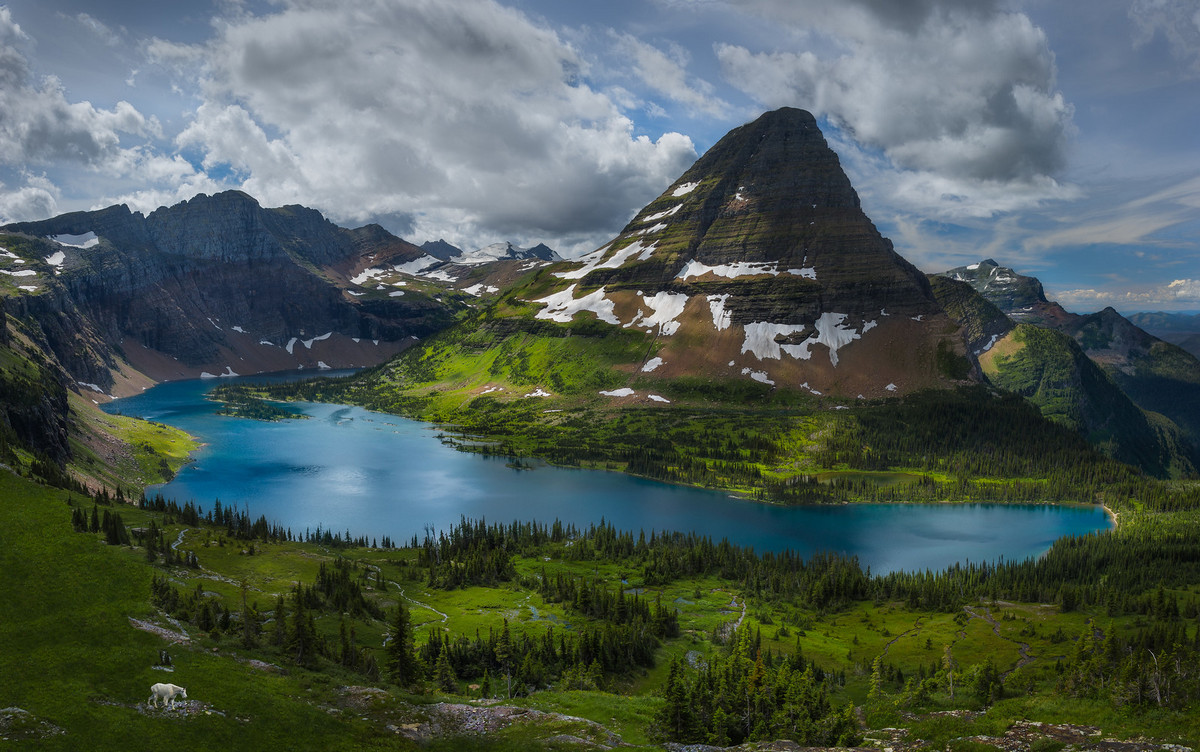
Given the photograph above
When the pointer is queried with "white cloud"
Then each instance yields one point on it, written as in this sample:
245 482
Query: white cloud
37 199
38 125
1133 222
960 97
666 73
1176 295
97 27
463 115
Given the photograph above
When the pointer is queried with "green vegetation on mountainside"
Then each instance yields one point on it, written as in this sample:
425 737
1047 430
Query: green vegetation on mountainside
967 444
1052 371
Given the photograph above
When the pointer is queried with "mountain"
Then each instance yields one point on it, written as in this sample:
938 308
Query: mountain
757 264
440 249
1177 328
438 267
504 251
1021 298
217 284
1158 377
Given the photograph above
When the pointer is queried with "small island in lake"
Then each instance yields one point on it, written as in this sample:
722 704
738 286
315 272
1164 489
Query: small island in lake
242 401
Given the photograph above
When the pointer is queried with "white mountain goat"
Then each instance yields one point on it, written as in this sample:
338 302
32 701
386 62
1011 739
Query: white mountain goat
167 693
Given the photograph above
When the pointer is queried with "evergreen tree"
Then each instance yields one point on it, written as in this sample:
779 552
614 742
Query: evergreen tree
279 625
402 665
251 624
443 673
504 658
302 635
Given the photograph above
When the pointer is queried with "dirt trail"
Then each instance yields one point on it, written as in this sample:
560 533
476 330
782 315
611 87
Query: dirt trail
1022 647
916 625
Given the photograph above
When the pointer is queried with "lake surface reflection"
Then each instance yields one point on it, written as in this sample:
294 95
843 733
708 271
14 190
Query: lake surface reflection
348 469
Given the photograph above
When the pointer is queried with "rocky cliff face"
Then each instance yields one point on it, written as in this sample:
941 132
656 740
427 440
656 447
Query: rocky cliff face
216 284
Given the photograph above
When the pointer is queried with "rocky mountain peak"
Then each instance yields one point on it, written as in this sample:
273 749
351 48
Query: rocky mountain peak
440 249
1019 296
762 246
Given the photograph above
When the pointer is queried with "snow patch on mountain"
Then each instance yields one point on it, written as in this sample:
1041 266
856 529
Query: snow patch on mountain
562 306
663 214
652 364
622 392
667 306
694 268
593 261
414 267
480 289
684 189
760 339
721 318
86 240
760 376
308 343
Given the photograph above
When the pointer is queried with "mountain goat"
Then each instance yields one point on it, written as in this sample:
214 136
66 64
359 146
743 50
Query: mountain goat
167 693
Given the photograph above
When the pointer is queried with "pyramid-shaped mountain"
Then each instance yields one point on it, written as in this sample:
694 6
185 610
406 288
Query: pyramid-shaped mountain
757 270
758 262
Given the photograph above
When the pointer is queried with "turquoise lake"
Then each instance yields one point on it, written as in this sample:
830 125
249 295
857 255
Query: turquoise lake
347 469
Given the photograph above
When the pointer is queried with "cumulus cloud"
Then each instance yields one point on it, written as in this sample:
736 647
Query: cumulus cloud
467 114
962 94
36 199
1176 295
38 125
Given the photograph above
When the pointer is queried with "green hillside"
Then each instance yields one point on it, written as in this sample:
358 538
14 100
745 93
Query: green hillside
1050 369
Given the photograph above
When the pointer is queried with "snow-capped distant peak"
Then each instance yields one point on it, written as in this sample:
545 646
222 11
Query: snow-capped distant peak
503 251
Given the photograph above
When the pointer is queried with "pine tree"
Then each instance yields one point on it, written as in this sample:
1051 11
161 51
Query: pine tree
279 625
250 622
444 674
504 657
401 662
302 636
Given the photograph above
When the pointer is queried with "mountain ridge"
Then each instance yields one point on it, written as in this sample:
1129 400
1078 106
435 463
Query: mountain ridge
214 284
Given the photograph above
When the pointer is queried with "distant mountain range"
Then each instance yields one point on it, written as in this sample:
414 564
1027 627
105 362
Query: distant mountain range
1177 328
1156 376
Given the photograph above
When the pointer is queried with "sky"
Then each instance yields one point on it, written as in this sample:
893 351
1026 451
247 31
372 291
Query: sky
1060 142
